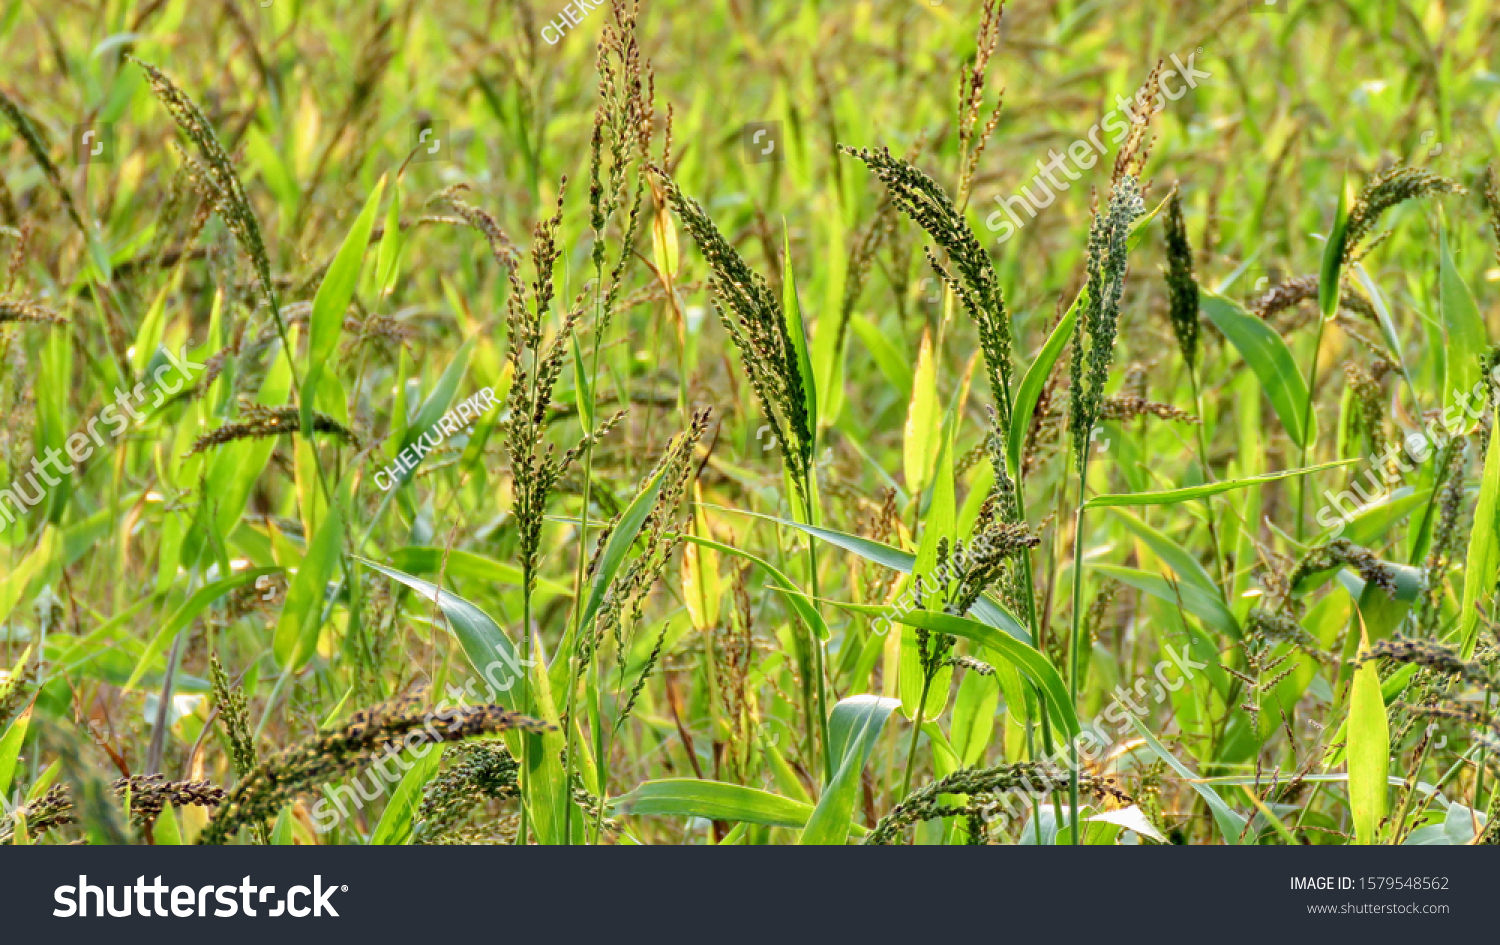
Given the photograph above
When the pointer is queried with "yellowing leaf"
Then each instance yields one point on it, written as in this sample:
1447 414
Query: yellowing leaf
1369 748
921 421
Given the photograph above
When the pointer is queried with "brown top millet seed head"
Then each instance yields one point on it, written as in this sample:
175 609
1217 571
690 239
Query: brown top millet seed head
276 781
24 310
1182 287
756 324
151 793
1434 656
270 421
217 170
976 284
1032 777
1397 185
1130 407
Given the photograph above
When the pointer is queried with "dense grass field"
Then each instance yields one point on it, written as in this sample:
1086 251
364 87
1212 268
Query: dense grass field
519 422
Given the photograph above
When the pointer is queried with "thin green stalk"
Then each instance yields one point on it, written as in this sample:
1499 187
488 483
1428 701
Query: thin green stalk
916 730
1208 476
1307 415
817 645
1400 821
583 544
573 658
1479 767
596 719
1075 644
523 702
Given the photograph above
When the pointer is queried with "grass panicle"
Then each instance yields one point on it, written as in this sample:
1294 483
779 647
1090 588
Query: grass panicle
277 781
262 421
752 316
1182 285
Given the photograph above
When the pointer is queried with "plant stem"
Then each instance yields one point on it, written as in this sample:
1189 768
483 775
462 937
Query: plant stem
1400 821
1075 642
916 730
817 645
1307 415
523 700
1208 476
583 545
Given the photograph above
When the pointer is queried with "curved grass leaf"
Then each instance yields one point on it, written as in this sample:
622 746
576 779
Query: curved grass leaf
1177 557
853 726
1188 493
897 560
1031 662
332 301
1369 748
620 540
1205 604
1484 551
784 584
481 638
1231 823
1271 360
1033 383
426 559
185 615
435 405
396 820
712 800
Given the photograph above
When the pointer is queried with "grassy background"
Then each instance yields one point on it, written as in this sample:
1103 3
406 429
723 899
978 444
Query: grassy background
319 102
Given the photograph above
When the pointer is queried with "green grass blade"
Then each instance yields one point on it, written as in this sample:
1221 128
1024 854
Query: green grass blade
1369 749
712 800
302 614
787 587
1036 375
332 302
436 404
185 615
620 539
853 726
1331 271
1189 493
1464 337
396 820
1271 360
1031 662
482 640
1484 551
1231 823
10 749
